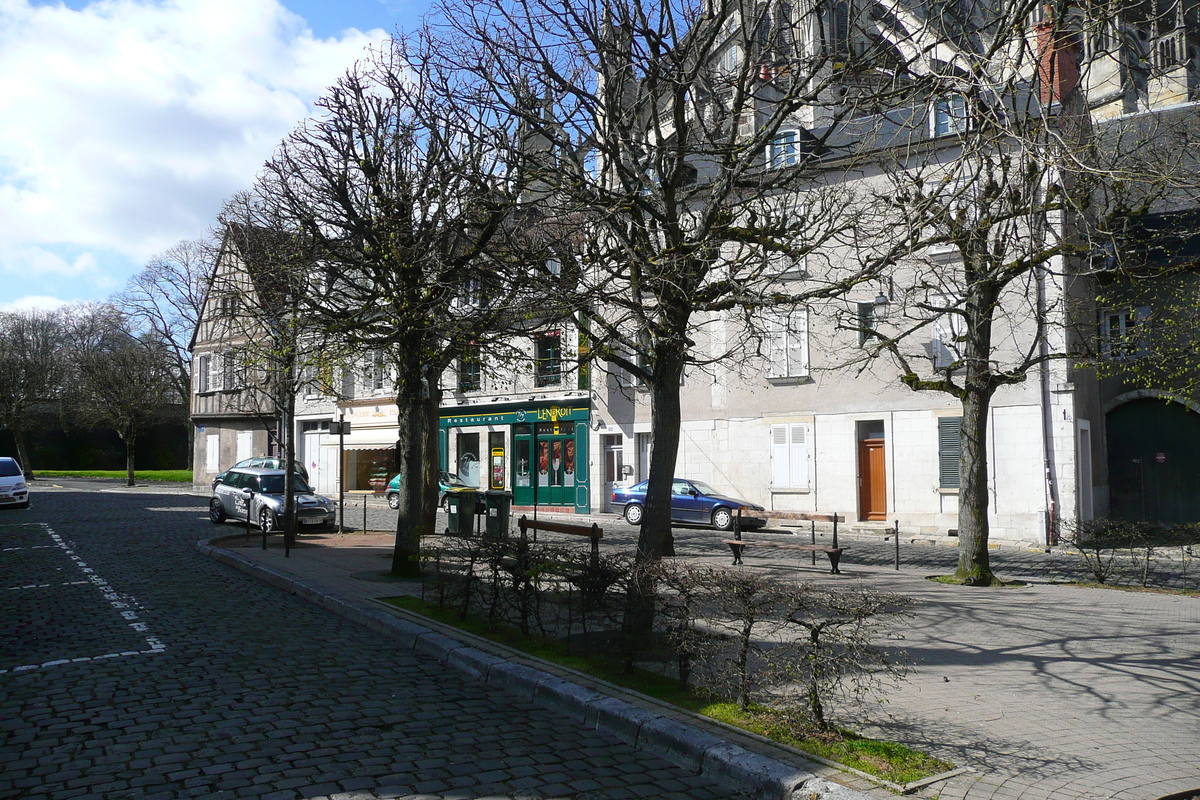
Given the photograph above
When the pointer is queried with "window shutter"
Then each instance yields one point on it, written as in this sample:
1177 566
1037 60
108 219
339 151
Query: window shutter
797 344
780 461
216 373
776 348
201 369
798 456
949 451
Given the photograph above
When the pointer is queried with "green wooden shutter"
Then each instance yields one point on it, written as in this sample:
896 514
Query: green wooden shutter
949 451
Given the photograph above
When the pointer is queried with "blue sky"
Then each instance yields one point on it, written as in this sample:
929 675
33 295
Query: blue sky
128 122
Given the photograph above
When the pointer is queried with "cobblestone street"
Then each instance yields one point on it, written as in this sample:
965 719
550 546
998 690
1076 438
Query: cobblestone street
132 667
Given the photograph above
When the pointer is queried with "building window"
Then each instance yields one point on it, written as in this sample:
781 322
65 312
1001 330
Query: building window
868 323
374 373
1121 333
230 374
948 115
949 451
789 456
469 373
731 59
201 369
948 332
548 359
783 150
787 345
554 267
228 304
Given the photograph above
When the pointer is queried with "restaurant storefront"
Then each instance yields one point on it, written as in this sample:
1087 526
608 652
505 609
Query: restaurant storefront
538 451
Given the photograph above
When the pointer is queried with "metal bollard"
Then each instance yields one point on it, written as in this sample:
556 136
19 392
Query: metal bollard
896 536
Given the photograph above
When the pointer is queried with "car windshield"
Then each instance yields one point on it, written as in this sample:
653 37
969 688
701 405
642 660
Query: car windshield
273 484
9 469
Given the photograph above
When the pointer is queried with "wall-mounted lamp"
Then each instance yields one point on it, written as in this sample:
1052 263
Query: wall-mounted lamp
599 424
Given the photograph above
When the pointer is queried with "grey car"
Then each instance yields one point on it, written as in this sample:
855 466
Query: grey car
232 500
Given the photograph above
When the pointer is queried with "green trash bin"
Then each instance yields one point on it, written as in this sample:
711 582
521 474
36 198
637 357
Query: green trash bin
497 504
460 508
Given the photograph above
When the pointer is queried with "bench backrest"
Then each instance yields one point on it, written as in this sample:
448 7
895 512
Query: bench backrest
592 532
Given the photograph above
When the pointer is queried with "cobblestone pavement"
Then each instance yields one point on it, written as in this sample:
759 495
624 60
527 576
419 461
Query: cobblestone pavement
133 667
1046 691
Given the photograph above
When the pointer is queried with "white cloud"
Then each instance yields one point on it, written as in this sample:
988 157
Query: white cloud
31 302
127 123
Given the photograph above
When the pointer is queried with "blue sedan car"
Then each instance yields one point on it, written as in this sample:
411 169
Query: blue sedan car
691 501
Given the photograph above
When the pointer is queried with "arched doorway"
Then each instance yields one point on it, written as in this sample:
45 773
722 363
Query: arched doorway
1154 461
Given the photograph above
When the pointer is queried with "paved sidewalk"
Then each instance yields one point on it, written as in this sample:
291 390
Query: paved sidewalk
1046 692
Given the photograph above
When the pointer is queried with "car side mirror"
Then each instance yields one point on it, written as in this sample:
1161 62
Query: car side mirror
695 493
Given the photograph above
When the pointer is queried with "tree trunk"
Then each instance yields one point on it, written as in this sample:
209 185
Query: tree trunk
417 458
974 568
130 442
22 452
655 540
287 435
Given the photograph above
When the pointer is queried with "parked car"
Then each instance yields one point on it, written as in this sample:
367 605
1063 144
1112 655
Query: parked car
446 482
14 491
691 501
264 462
231 500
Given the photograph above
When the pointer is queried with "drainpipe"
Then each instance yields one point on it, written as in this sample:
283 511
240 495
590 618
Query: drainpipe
1048 465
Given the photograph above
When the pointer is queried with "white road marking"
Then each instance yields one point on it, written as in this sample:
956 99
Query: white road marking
122 604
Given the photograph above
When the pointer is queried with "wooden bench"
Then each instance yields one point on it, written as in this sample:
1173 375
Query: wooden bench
738 544
592 531
834 553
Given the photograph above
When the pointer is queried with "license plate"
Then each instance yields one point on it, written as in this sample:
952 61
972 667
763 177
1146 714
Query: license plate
313 521
5 496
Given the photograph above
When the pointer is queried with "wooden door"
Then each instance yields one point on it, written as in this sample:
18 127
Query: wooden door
872 480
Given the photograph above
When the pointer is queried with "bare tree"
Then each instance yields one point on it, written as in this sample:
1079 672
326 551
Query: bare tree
989 189
166 298
32 370
121 379
264 273
406 198
664 129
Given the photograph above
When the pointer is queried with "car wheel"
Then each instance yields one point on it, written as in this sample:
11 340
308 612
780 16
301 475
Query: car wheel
633 514
216 512
722 519
24 505
393 499
266 520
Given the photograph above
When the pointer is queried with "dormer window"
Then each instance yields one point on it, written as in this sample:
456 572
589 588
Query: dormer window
783 150
948 115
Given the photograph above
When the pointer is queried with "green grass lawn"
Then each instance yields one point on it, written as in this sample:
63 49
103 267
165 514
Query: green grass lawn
889 761
170 475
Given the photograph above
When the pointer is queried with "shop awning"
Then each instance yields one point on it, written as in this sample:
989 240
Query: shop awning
366 439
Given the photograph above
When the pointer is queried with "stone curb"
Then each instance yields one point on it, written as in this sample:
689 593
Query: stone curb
681 744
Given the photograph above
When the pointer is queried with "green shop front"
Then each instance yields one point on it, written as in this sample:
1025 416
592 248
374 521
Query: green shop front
538 451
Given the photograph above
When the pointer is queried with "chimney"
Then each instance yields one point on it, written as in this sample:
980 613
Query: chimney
1058 65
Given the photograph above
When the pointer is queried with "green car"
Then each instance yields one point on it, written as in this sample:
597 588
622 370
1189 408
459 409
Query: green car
446 481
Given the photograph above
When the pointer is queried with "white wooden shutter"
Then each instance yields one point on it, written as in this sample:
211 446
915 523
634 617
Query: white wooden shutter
216 373
780 459
797 344
798 456
212 453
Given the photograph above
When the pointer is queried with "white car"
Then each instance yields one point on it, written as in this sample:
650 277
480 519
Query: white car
14 491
